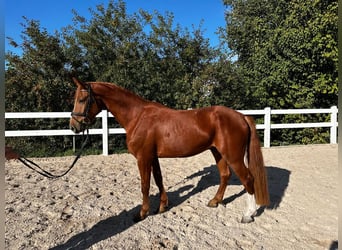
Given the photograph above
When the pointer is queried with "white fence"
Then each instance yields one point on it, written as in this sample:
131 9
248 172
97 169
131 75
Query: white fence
106 131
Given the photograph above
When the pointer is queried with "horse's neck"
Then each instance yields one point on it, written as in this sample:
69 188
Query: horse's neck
124 105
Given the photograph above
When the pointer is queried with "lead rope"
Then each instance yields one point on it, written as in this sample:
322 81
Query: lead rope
49 175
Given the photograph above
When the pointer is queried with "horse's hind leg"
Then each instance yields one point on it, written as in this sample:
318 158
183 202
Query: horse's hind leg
240 168
224 177
159 182
244 175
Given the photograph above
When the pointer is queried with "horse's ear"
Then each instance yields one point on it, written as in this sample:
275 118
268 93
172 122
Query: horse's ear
78 82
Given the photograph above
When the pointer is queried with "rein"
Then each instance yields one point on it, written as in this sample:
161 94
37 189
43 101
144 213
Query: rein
28 163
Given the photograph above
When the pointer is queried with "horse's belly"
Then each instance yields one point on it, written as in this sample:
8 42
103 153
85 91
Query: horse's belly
182 146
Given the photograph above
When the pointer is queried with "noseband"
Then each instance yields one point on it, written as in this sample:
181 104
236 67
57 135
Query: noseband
90 100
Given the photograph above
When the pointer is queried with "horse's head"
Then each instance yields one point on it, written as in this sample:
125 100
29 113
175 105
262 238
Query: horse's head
85 107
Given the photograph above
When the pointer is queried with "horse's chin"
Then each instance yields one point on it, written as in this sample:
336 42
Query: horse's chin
78 129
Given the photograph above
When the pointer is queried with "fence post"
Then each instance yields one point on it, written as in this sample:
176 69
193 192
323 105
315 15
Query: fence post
333 128
105 132
267 130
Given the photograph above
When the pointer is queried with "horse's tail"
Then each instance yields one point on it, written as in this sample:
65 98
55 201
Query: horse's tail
256 165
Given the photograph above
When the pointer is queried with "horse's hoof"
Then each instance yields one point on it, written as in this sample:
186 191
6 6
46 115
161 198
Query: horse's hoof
161 210
138 218
247 219
213 203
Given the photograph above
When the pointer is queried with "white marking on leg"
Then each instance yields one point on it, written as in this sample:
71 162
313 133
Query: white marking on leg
251 207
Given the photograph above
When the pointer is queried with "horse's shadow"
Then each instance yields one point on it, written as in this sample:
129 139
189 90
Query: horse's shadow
278 179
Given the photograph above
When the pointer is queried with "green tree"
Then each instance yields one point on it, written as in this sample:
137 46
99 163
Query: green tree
144 52
287 57
286 51
37 81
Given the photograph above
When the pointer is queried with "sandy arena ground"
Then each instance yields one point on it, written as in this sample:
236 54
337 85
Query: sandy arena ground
93 206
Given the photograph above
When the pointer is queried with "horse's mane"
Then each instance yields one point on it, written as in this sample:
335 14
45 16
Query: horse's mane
125 92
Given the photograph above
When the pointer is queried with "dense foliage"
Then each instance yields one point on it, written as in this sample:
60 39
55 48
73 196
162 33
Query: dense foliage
283 54
286 50
287 56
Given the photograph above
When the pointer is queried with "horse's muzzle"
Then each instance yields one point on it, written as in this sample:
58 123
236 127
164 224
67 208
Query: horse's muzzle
77 127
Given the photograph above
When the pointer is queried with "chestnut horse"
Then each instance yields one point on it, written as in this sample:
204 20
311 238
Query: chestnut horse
153 131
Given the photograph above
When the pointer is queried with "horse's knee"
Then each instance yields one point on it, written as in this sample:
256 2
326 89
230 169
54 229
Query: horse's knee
224 176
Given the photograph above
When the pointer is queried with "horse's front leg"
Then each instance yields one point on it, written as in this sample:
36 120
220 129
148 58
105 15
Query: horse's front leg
159 182
145 175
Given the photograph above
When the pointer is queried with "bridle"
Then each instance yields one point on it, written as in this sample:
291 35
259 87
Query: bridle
90 100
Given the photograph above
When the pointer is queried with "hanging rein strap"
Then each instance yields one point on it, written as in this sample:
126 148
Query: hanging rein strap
28 163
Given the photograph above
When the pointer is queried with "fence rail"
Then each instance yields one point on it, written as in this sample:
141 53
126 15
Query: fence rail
267 126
